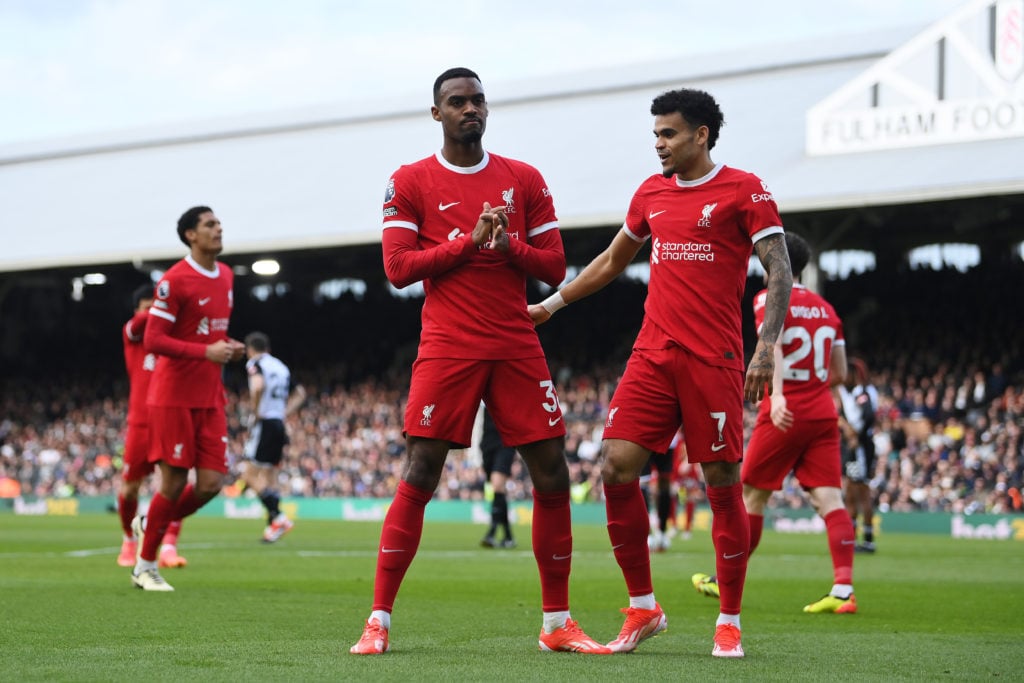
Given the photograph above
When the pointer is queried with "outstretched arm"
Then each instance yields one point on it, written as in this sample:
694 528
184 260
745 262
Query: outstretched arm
771 250
607 266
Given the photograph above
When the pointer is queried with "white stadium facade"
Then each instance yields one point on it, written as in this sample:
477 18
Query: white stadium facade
882 144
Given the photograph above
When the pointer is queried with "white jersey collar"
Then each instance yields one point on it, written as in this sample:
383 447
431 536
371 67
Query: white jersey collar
467 170
700 181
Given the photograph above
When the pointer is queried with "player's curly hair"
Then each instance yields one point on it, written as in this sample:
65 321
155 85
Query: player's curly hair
455 72
189 220
799 252
697 107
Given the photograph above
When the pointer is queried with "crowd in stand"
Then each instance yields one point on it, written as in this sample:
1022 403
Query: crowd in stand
948 434
944 443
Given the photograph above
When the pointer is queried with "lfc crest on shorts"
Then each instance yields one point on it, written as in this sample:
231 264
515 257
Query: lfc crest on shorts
427 412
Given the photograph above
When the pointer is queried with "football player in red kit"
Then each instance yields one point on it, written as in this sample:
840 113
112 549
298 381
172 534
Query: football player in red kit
188 329
703 221
472 226
140 365
797 431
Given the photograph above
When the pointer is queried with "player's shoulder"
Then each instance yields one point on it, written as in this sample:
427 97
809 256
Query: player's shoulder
409 177
731 173
746 182
516 167
808 299
655 183
425 163
179 268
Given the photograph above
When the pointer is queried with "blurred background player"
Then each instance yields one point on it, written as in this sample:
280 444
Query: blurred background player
497 462
272 398
690 486
188 329
858 400
137 467
657 482
796 429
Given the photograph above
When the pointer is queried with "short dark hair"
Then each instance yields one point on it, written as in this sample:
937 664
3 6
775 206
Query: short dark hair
258 341
799 252
455 72
141 292
189 220
697 107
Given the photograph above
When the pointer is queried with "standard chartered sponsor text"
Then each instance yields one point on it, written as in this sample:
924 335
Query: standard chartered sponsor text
686 251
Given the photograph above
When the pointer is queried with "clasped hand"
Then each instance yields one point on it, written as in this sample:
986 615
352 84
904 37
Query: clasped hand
490 231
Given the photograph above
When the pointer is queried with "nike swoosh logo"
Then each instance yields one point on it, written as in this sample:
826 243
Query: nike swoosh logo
203 302
727 556
553 422
616 547
392 550
445 207
717 447
561 557
652 214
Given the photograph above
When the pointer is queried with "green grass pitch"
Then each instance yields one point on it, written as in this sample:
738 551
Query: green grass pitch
931 609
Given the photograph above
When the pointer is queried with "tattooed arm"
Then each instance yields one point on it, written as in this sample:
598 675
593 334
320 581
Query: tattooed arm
775 259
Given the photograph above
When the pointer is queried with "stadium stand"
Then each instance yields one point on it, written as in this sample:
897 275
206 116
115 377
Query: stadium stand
944 352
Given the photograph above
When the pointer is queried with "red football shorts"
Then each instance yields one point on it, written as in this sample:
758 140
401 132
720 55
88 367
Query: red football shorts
810 449
189 437
136 453
445 394
663 388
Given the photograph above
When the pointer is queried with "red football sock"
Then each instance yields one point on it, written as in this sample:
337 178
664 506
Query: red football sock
627 530
127 509
730 531
399 541
188 502
159 516
841 539
171 535
552 547
690 507
756 527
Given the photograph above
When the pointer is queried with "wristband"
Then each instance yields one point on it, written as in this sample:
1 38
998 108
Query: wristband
553 303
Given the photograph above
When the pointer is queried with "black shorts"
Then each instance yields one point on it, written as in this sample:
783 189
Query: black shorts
498 460
266 443
859 462
497 457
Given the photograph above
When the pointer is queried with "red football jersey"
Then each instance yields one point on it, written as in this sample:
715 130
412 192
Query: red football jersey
475 305
809 333
140 364
702 235
191 310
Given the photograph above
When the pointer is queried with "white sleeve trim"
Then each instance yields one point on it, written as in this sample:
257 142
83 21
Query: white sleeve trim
764 232
542 229
162 314
132 337
408 225
631 235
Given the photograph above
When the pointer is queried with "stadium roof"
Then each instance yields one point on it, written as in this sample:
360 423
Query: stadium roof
840 131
